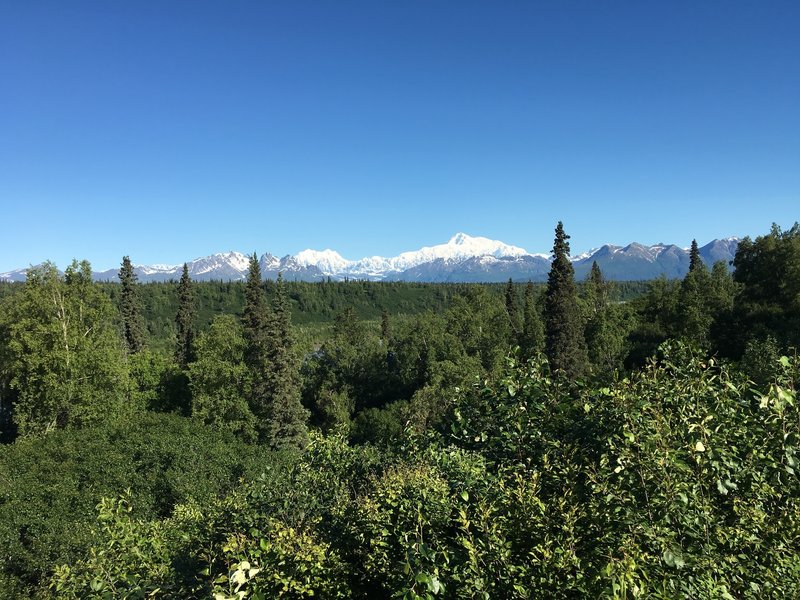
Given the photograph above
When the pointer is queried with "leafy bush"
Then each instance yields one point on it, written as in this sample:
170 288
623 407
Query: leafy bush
50 486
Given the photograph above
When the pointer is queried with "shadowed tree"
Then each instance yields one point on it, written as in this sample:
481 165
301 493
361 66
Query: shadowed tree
767 270
694 313
532 339
607 327
184 320
694 257
130 308
255 322
513 311
286 417
386 327
564 342
597 291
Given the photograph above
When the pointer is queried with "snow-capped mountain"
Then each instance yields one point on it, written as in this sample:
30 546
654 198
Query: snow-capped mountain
460 247
327 261
15 275
462 259
227 266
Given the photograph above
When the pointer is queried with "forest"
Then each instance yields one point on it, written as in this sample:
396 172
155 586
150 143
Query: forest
262 439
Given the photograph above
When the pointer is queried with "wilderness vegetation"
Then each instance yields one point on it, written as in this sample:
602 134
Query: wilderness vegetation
362 439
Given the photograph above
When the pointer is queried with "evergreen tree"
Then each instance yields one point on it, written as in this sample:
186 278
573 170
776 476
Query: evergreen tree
386 328
694 257
286 420
130 308
184 320
597 291
694 311
564 342
532 339
607 326
255 321
512 310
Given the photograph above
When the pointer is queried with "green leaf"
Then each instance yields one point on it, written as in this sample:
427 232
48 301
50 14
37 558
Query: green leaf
673 558
465 495
435 586
721 487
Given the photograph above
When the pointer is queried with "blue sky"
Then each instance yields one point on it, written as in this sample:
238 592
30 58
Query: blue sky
171 130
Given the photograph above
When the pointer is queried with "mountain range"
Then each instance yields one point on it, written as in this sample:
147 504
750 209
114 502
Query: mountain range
463 258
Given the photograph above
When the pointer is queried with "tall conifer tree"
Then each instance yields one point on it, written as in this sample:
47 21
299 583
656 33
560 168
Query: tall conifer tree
386 327
255 315
564 342
513 310
694 312
286 421
255 320
694 257
184 320
597 291
130 308
532 339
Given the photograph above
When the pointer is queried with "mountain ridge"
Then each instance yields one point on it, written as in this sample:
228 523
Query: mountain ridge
463 258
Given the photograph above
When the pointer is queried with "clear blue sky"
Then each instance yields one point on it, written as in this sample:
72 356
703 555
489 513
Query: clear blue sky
171 130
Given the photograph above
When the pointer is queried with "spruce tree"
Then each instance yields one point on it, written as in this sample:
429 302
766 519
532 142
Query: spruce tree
130 309
512 310
607 325
386 327
255 320
694 257
286 421
694 311
532 339
597 291
184 320
564 342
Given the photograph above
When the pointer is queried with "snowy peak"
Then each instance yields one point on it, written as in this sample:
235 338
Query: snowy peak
461 245
327 261
15 275
227 262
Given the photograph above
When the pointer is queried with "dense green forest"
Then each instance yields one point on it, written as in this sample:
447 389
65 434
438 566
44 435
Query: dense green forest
360 439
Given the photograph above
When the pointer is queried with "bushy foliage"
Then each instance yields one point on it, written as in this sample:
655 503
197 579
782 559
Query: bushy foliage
696 486
49 486
652 487
62 354
220 381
